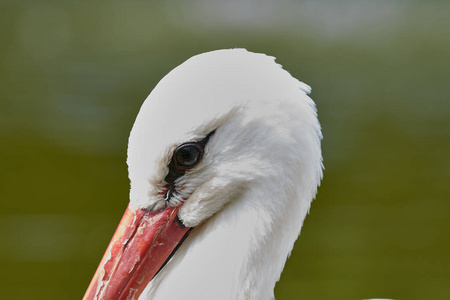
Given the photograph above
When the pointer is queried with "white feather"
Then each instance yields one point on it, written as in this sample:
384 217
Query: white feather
248 197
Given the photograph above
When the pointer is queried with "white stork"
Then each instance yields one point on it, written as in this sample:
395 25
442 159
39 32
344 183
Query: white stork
226 148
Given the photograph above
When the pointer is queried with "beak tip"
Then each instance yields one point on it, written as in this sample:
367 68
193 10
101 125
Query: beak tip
143 242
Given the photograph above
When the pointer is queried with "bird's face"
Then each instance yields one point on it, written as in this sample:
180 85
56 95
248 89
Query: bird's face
212 129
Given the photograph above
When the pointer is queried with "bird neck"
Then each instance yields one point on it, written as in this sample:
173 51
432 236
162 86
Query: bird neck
237 254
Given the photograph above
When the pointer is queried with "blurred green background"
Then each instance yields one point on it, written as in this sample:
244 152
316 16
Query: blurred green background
74 74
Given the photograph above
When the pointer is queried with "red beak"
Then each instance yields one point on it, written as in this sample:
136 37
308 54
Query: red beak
141 245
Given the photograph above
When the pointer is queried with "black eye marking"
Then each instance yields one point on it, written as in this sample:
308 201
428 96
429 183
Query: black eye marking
185 157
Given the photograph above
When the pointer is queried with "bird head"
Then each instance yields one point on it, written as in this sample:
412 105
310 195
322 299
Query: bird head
221 125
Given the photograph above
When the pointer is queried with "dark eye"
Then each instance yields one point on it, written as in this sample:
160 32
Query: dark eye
188 155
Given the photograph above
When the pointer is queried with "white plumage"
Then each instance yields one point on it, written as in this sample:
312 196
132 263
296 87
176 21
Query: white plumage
252 190
247 197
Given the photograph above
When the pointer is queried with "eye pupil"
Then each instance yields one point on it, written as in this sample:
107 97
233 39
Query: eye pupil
187 156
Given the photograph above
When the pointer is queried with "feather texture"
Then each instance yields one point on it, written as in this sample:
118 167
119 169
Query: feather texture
248 197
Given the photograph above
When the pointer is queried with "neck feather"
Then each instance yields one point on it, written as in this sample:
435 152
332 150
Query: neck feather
237 254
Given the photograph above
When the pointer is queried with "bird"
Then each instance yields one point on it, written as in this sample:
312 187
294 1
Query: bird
224 161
